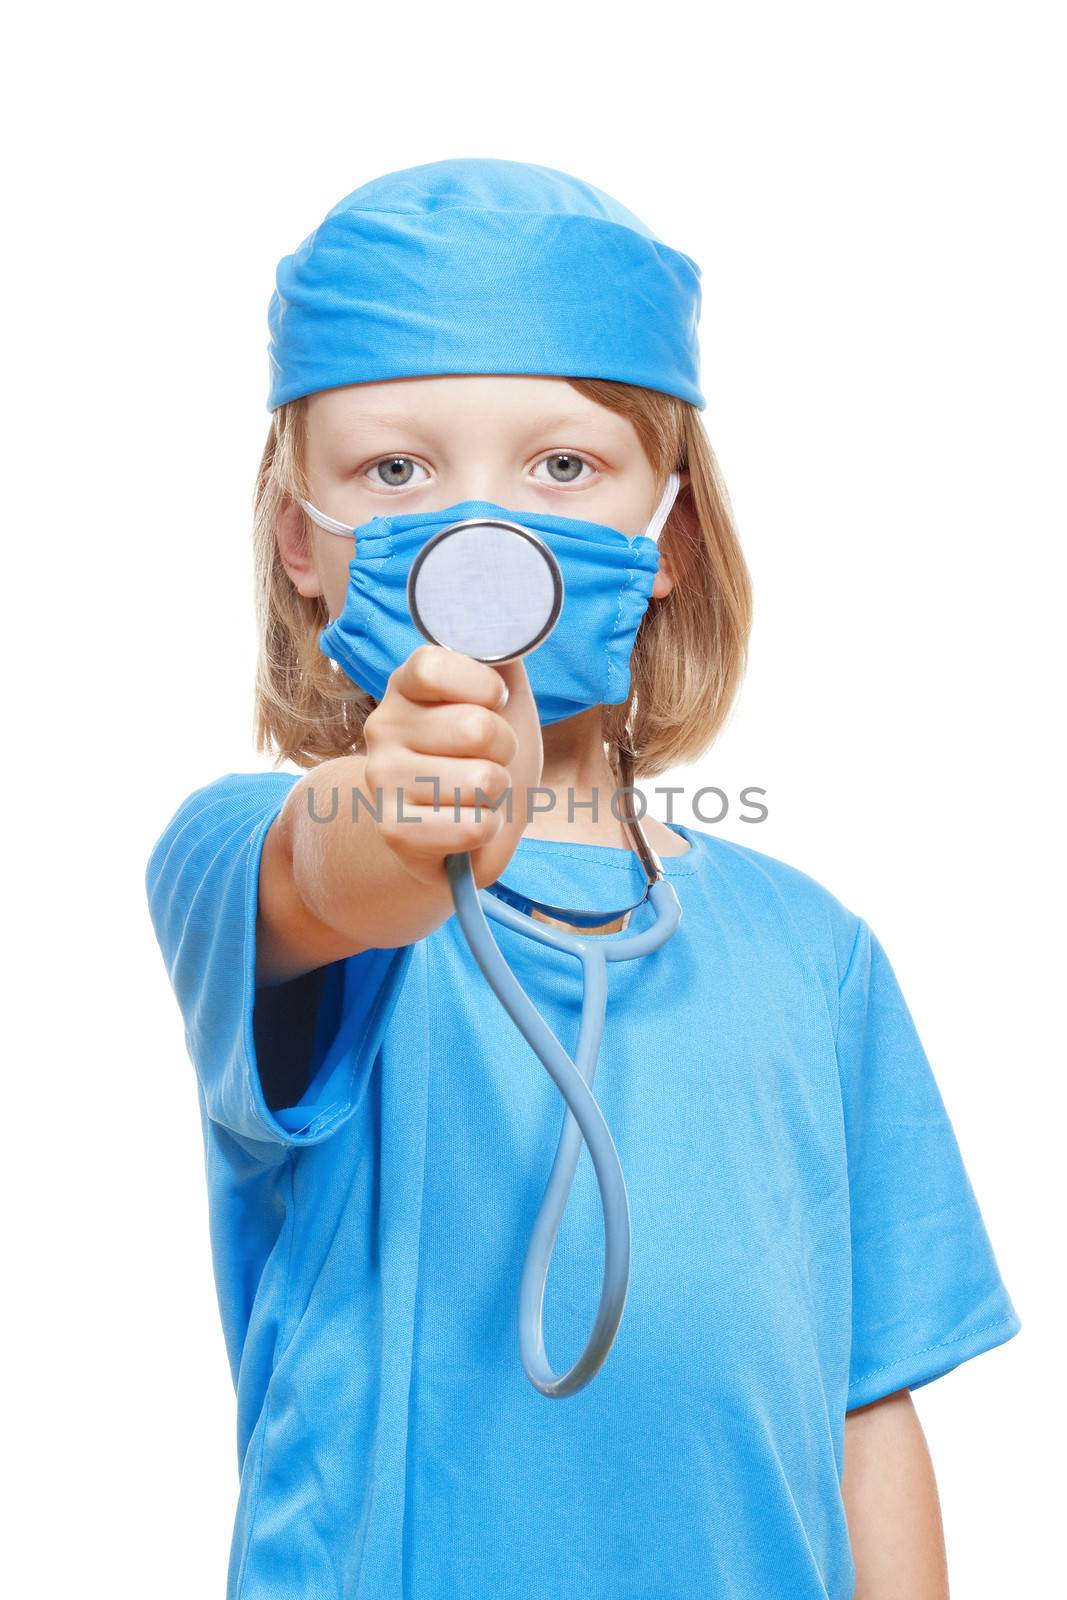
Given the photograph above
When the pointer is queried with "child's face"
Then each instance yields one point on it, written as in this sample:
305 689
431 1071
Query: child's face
420 444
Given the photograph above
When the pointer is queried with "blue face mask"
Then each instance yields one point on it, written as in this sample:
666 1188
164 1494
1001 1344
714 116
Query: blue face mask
584 662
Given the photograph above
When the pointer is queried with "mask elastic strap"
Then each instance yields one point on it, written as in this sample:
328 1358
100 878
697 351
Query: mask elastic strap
655 527
663 510
330 524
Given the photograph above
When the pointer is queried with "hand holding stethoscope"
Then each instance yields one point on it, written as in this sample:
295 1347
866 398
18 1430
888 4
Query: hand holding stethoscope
519 590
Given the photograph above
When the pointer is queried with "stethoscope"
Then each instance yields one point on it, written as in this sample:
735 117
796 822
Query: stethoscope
519 587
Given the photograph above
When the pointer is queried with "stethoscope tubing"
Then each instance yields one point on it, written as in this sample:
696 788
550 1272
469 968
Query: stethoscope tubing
583 1119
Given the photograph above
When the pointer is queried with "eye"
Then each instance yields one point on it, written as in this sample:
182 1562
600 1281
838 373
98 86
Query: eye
564 467
396 471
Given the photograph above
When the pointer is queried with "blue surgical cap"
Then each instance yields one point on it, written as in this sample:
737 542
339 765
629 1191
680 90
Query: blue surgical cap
483 265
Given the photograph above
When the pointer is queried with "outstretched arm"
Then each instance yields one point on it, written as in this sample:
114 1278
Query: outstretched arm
330 889
891 1503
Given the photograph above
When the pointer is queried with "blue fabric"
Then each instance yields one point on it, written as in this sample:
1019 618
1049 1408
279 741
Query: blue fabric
483 265
805 1237
584 662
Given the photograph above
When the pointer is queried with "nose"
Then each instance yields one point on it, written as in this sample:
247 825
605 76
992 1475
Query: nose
482 486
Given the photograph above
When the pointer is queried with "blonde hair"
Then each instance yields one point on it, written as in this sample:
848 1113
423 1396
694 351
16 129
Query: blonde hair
690 651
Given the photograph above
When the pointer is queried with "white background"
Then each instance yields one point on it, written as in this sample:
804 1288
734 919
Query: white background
875 199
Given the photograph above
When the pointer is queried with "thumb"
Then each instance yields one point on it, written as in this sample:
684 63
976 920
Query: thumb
516 681
520 713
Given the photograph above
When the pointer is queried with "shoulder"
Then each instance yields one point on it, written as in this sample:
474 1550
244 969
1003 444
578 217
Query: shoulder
235 793
779 900
226 806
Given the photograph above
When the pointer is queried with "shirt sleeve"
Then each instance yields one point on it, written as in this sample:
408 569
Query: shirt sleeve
284 1065
927 1293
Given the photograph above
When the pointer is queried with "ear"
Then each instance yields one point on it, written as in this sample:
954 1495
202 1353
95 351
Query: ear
663 582
297 550
665 579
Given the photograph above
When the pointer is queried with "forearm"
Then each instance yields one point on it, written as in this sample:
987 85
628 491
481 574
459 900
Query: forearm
891 1503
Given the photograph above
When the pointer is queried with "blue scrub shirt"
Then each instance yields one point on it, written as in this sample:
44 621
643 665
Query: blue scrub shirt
378 1138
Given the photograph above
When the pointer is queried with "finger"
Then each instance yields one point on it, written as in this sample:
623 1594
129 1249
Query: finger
459 730
453 780
422 832
433 675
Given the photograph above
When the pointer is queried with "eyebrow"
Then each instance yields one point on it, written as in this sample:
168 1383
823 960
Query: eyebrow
405 419
385 419
568 419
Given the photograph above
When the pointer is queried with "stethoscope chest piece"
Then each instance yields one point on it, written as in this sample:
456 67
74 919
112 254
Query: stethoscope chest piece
489 588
